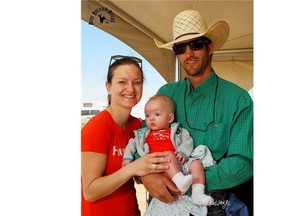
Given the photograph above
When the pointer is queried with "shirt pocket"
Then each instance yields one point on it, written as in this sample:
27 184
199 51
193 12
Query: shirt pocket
215 136
218 139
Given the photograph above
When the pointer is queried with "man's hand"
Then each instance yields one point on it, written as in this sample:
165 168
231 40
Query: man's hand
160 187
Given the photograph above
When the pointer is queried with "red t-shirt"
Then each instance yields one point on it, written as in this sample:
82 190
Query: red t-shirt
103 135
160 141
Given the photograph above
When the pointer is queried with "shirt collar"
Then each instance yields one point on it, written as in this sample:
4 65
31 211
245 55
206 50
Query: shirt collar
203 87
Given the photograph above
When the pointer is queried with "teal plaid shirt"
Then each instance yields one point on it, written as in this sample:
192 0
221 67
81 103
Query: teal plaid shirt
218 114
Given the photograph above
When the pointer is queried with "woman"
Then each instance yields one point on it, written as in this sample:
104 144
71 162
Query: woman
108 188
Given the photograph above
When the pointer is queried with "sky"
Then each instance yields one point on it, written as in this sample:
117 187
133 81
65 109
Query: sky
97 47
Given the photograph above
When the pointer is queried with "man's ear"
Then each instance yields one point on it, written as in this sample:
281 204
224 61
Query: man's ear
171 117
210 48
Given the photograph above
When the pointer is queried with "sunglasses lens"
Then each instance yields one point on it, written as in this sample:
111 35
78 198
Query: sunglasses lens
179 49
193 45
196 45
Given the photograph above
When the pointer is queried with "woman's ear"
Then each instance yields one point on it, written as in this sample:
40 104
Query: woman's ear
108 85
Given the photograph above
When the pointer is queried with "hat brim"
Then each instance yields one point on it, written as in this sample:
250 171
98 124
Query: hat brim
217 33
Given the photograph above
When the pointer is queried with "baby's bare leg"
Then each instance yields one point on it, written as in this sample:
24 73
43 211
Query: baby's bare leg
198 186
181 181
197 171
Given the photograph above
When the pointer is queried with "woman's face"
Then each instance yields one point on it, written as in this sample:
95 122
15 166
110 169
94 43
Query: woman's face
126 86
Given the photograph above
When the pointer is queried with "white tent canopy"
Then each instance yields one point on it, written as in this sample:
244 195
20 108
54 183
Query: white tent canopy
137 22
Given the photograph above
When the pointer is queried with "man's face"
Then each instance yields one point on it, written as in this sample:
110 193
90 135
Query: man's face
195 62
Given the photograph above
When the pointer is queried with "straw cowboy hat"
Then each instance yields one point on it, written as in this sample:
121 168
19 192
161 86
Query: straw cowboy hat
189 24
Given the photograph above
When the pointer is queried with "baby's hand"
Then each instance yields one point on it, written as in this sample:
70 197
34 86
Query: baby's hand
125 162
180 157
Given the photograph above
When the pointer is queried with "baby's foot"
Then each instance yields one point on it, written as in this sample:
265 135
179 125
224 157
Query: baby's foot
202 199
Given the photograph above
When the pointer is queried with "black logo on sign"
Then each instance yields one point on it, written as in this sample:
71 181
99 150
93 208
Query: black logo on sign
103 15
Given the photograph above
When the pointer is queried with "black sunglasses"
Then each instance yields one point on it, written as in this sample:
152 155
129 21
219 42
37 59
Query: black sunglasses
121 57
193 45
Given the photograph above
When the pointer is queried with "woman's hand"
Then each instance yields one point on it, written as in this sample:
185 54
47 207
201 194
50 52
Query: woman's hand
150 163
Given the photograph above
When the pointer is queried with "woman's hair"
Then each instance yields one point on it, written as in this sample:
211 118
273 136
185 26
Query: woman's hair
122 60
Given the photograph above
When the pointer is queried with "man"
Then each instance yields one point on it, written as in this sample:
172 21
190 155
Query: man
217 113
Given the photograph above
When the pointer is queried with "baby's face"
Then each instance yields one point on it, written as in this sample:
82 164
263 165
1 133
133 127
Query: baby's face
157 115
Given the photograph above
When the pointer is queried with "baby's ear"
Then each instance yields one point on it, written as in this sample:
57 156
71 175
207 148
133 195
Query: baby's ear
171 117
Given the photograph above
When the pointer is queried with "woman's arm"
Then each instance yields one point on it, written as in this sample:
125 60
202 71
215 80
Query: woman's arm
96 186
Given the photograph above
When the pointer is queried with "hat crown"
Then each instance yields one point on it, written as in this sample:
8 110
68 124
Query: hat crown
189 25
188 22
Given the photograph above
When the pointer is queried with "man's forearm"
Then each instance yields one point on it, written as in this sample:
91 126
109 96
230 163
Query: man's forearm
227 174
